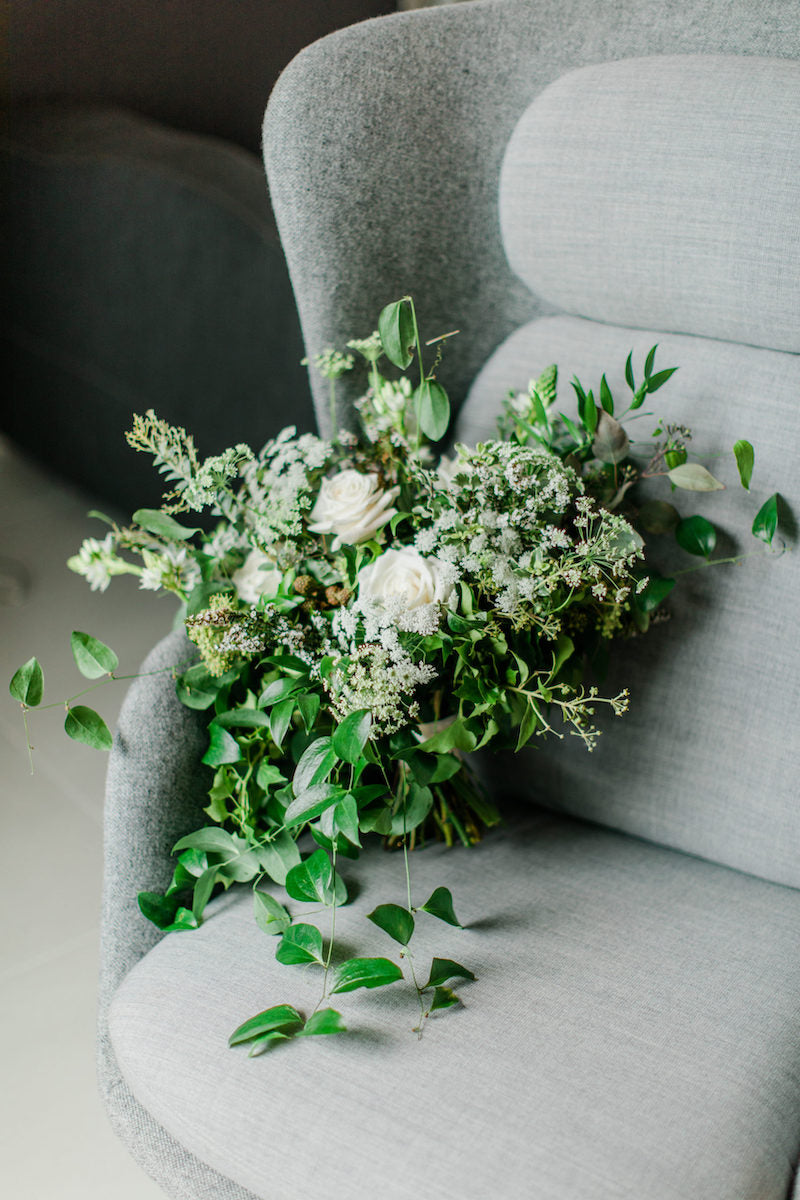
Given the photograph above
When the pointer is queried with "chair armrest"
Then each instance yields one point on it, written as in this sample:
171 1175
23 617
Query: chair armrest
155 792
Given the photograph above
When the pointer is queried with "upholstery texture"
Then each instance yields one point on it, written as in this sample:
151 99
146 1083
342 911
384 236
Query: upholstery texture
722 678
631 1033
398 192
663 193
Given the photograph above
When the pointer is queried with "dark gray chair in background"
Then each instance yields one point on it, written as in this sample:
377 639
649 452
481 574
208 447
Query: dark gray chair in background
140 262
563 181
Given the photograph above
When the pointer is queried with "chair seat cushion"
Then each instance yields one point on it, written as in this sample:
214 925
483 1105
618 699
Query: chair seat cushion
632 1032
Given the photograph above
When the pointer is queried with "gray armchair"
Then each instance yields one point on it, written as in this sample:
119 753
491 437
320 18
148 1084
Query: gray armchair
564 182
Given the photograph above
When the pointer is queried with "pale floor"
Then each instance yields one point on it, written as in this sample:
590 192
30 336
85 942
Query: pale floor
55 1140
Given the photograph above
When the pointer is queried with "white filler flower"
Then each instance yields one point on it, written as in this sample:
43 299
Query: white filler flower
257 576
353 507
407 582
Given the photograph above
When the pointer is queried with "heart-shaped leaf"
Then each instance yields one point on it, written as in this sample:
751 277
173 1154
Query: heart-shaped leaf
93 658
270 914
396 329
27 684
394 920
85 725
696 535
366 973
350 737
440 905
765 524
300 944
443 969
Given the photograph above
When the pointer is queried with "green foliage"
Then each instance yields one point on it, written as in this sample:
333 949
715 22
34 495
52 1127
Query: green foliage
765 524
92 657
365 973
85 725
440 904
396 921
27 684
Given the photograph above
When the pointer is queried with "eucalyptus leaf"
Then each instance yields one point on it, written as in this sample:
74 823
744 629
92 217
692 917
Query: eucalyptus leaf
396 329
440 904
658 516
300 944
696 535
85 725
27 684
611 443
745 460
270 914
366 973
282 1017
394 920
162 525
693 477
93 658
443 969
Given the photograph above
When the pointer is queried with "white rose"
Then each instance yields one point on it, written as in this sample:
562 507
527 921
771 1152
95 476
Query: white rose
406 575
352 506
258 576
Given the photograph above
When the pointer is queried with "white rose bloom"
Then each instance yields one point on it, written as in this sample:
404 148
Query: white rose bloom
353 507
407 580
257 576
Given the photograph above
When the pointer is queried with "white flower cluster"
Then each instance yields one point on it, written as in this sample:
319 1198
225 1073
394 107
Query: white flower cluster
278 492
96 561
170 568
382 677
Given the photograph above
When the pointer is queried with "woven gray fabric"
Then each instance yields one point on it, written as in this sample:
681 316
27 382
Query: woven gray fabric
629 194
393 186
721 680
631 1033
142 270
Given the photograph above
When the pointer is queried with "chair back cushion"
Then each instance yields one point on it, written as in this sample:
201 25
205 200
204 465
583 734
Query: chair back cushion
660 196
663 193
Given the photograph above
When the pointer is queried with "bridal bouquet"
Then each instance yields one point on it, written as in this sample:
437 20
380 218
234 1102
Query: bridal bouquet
365 614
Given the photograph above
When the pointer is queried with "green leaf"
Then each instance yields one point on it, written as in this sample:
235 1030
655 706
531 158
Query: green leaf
299 945
431 401
280 719
396 327
745 460
345 818
184 919
657 516
312 880
413 810
366 973
262 1044
659 379
197 688
696 535
278 856
270 914
765 524
629 372
693 477
162 525
85 725
587 409
527 727
648 362
440 904
315 765
279 690
311 803
93 658
222 747
268 775
308 707
243 718
27 684
443 969
455 736
606 399
394 920
281 1017
564 649
658 588
443 997
203 889
351 736
211 839
326 1021
159 909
